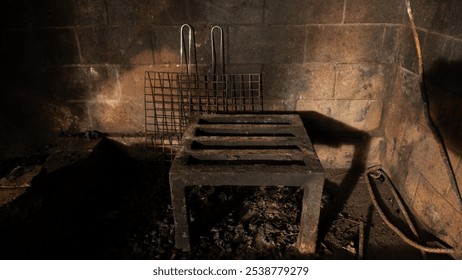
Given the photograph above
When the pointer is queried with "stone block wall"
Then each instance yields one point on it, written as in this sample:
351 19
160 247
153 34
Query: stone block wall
348 67
77 65
412 155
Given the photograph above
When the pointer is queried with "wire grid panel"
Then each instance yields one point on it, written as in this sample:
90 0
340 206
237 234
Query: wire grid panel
225 93
171 97
165 98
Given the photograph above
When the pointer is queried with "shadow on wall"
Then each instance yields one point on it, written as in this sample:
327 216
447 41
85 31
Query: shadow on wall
64 62
444 89
25 58
329 132
39 54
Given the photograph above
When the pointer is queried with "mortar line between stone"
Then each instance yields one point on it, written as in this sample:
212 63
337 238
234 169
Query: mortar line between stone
305 46
89 115
434 188
106 7
118 85
408 71
79 51
440 34
344 11
384 35
264 9
335 82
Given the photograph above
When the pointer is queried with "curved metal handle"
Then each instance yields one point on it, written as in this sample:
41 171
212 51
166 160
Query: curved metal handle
190 39
221 61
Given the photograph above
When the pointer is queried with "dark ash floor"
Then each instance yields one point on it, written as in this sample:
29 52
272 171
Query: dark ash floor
94 200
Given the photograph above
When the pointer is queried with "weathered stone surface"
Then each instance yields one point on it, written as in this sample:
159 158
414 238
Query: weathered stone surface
103 83
456 54
408 53
115 45
409 97
441 16
127 85
458 173
455 160
225 11
88 12
343 155
436 48
375 11
278 105
435 212
335 157
100 45
363 81
126 12
375 155
351 43
408 189
116 116
136 46
68 83
170 12
364 115
445 109
138 75
303 12
424 147
266 44
299 81
68 116
166 45
395 126
84 83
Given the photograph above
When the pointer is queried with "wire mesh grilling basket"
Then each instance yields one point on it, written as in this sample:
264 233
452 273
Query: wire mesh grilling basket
172 97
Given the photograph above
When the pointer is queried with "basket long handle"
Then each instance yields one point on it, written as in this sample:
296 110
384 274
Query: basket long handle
221 57
182 46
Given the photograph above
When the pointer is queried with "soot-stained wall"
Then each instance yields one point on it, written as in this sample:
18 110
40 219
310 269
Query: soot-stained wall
412 155
79 65
347 66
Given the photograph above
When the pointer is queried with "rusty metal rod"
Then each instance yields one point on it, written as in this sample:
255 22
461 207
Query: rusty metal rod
426 106
393 227
408 219
361 241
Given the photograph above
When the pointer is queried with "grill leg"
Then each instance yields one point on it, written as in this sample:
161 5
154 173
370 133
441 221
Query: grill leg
180 214
311 207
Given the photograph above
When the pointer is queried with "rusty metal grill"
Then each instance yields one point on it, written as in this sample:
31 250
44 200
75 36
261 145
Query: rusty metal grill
247 150
172 97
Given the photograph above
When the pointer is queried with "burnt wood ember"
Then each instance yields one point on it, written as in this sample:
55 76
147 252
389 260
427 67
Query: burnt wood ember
247 150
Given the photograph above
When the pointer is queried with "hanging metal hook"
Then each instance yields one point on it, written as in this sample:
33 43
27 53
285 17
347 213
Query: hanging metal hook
221 61
190 39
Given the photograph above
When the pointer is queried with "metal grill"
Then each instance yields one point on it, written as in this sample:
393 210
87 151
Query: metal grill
172 97
252 151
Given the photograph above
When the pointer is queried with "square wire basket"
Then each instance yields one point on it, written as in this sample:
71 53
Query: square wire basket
170 98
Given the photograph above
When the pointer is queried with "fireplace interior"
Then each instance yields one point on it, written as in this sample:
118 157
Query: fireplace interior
79 178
